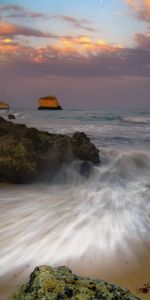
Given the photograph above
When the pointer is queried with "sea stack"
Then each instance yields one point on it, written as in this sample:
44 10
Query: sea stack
4 105
49 102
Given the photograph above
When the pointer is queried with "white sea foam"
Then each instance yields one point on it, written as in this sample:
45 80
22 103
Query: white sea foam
137 119
85 224
82 222
105 129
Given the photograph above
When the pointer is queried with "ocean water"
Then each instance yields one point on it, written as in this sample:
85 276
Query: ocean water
97 226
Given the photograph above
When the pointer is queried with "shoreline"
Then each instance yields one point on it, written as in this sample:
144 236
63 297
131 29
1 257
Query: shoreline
131 274
130 265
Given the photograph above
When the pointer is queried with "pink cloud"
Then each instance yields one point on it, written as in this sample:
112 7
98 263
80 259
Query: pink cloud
143 40
11 30
18 11
76 22
140 9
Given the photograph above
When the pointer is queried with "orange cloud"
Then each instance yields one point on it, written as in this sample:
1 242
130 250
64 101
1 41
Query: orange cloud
147 3
81 46
63 45
7 41
84 45
77 59
11 49
140 9
7 45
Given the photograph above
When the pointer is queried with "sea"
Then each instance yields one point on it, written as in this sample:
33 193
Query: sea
98 226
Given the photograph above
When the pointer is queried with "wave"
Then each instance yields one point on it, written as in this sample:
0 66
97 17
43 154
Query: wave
137 161
87 224
104 118
137 119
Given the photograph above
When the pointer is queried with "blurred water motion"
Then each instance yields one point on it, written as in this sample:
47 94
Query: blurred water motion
89 225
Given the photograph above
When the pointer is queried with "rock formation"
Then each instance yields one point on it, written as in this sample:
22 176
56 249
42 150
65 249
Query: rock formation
11 116
4 105
60 284
27 154
49 102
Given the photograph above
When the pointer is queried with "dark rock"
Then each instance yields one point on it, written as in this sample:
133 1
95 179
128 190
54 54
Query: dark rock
50 283
68 291
83 149
11 117
27 154
50 108
59 296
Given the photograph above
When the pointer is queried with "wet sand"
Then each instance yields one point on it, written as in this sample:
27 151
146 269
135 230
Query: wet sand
106 236
131 271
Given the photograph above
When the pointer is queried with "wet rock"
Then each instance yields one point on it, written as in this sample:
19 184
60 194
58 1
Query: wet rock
50 283
27 154
68 291
11 116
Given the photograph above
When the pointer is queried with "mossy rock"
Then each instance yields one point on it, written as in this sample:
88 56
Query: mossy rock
48 283
27 154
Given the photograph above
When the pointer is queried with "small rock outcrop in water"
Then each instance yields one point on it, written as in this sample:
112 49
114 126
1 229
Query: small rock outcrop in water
27 154
4 105
11 116
59 284
49 102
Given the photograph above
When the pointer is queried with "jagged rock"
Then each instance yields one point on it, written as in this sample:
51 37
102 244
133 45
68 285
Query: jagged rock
49 102
27 154
48 283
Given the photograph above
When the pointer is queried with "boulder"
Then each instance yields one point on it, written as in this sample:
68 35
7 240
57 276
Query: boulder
60 283
11 116
49 103
27 154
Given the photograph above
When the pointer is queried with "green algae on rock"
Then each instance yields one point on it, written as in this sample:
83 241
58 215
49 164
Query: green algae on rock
47 283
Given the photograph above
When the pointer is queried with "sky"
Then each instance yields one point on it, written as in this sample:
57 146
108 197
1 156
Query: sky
91 54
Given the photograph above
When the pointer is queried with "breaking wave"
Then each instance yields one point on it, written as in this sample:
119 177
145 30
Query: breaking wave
137 119
84 223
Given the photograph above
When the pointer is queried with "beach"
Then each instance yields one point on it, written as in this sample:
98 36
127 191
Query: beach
98 226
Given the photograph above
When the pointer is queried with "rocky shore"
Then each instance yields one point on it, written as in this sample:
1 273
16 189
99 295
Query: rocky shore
27 154
48 283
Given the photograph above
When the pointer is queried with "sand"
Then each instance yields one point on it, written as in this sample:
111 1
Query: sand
131 272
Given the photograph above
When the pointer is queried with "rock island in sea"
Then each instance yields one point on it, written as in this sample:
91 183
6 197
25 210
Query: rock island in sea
48 283
4 105
49 103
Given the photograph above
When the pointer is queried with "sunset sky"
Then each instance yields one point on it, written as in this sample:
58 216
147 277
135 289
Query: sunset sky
90 53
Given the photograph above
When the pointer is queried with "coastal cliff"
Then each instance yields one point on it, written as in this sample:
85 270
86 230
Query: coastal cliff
49 103
27 154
